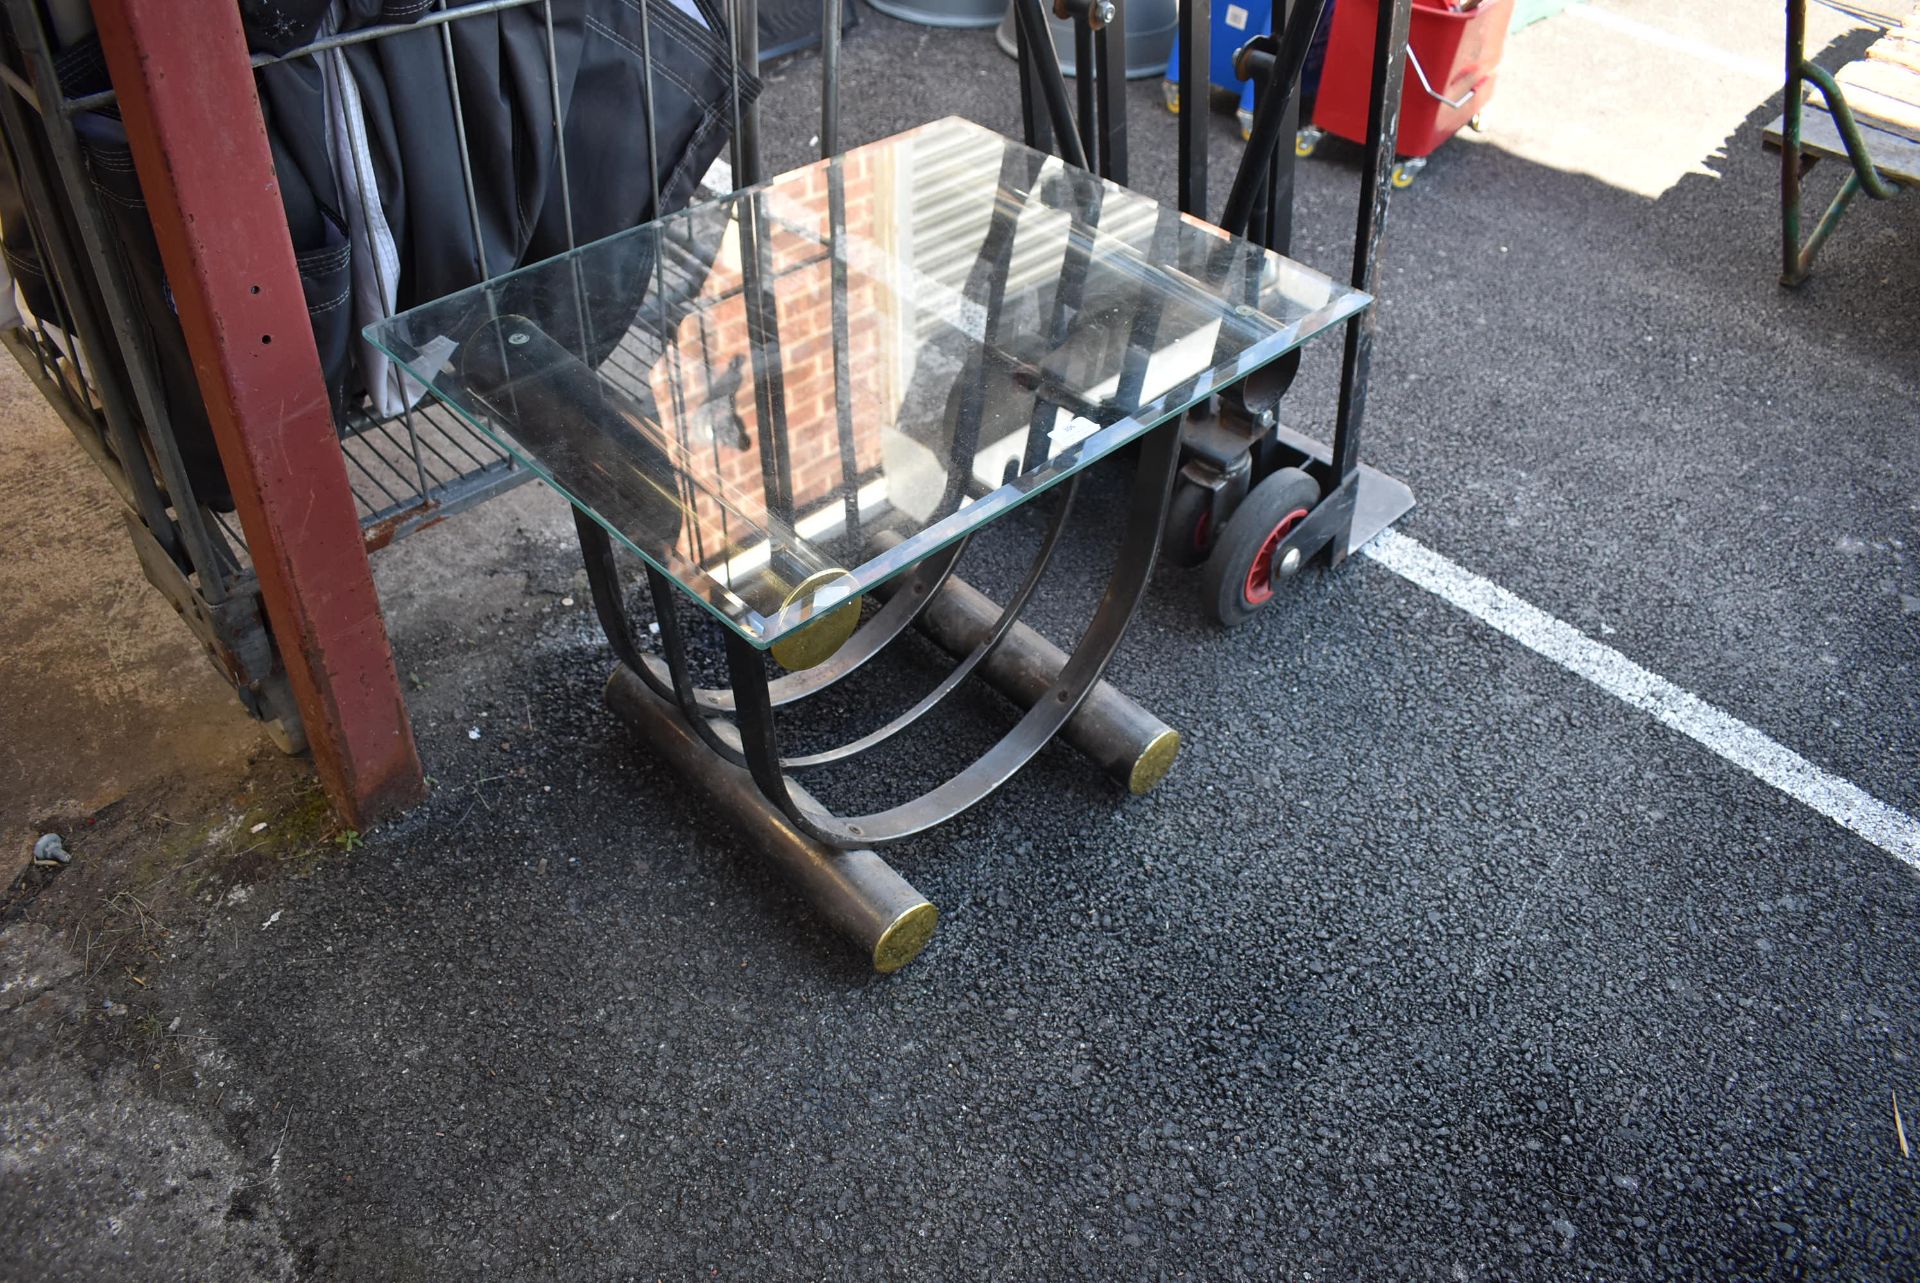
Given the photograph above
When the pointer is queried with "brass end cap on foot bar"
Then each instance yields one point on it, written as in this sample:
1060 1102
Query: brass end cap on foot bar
904 938
1155 760
860 896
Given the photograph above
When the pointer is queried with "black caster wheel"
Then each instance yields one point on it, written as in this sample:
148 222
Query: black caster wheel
1238 580
1188 535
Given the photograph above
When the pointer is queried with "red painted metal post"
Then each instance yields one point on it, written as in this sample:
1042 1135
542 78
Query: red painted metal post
200 147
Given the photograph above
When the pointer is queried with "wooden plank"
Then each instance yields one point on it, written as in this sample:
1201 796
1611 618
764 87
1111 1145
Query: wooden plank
1896 157
200 147
1899 53
1874 13
1883 78
1886 94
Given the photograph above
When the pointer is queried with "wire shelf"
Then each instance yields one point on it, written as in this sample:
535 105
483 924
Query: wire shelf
419 467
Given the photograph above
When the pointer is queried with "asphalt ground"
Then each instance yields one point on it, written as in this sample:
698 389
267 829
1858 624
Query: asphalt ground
1429 959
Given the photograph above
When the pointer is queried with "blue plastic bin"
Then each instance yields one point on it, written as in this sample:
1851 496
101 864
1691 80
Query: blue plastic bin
1235 23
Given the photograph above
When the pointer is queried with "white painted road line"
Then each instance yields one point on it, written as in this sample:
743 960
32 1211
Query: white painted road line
1846 804
1698 50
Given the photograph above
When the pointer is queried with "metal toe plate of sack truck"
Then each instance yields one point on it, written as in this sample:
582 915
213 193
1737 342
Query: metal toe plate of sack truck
1380 501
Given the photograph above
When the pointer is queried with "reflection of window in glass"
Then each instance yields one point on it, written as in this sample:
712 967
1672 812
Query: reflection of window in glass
977 322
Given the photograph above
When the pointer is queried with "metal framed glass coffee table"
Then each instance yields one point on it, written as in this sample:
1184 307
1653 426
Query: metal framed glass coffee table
816 390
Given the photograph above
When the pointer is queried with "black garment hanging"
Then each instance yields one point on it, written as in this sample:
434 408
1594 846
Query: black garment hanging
508 90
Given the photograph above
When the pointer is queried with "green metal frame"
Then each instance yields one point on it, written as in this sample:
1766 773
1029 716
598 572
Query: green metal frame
1796 259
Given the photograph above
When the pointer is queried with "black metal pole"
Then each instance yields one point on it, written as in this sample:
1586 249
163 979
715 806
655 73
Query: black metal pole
1068 292
829 77
1196 87
763 357
1036 130
1383 128
746 44
1280 165
1083 86
1259 224
1791 272
986 286
1110 60
1270 111
1053 86
842 357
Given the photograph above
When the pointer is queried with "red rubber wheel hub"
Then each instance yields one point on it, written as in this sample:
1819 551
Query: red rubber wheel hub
1259 585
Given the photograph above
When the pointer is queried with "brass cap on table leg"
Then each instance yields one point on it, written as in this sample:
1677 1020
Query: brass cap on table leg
815 641
1155 760
904 938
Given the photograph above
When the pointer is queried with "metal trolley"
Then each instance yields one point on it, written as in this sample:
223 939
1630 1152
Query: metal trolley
1254 501
1276 500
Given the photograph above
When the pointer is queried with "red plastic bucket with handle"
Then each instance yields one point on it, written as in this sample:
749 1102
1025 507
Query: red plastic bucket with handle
1453 54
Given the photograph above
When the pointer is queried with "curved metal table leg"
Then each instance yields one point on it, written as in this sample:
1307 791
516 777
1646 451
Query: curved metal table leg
670 676
916 588
972 660
1133 747
1153 478
679 676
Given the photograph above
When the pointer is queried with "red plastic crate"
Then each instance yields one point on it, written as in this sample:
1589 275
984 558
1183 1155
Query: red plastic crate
1459 52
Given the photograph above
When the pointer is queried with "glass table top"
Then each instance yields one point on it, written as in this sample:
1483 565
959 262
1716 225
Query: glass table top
910 339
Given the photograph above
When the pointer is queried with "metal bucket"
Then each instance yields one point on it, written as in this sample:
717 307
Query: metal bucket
1151 26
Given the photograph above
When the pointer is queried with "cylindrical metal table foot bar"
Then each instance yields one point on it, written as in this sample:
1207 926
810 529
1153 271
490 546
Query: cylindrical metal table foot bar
857 892
1125 740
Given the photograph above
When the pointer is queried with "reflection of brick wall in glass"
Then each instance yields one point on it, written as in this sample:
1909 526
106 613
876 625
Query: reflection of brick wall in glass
712 409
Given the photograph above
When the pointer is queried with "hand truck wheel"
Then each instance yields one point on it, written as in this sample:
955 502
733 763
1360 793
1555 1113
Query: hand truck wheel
1189 530
1238 580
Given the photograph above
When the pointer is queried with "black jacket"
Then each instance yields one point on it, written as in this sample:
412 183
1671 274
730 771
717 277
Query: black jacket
508 101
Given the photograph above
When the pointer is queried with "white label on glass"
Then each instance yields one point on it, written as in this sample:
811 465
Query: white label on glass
1236 17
